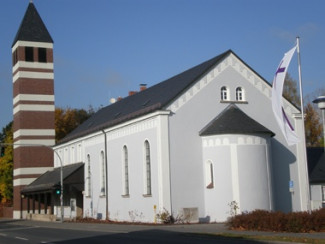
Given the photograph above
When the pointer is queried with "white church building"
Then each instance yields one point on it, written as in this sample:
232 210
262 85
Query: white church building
190 145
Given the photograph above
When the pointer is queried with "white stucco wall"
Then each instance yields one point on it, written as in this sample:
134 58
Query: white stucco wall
241 169
316 196
199 105
137 206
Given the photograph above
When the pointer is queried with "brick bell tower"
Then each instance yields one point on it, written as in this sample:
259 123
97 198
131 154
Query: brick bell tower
33 104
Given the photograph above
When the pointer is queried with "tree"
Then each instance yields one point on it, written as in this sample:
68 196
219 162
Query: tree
66 120
290 91
6 166
313 127
4 131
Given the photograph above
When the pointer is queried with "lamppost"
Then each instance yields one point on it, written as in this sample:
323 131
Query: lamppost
61 184
320 101
61 167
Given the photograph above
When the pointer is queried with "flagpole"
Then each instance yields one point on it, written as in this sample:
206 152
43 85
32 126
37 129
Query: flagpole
303 125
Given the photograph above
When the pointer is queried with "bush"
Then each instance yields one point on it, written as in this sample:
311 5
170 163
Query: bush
165 217
263 220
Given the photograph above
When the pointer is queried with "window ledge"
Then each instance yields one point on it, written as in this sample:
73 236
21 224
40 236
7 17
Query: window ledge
229 101
210 186
126 195
102 195
146 195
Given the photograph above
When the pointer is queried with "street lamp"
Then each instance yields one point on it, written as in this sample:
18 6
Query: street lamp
320 101
61 183
61 167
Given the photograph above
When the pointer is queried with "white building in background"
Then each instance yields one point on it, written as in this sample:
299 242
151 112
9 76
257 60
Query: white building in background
189 145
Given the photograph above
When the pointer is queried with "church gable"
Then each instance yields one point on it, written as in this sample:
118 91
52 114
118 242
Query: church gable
233 62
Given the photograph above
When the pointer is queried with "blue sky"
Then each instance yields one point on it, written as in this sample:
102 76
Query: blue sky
105 48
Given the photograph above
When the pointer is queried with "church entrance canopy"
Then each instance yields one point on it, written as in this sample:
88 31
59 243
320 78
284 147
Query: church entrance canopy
73 176
41 195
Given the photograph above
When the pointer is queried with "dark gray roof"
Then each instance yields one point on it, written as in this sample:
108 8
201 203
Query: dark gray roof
151 99
234 121
51 179
319 99
32 28
316 164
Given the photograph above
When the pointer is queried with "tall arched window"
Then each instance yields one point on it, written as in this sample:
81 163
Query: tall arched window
79 153
125 171
66 155
239 94
103 174
72 155
209 175
224 93
148 168
88 177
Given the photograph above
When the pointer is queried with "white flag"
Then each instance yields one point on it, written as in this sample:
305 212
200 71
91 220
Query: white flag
277 89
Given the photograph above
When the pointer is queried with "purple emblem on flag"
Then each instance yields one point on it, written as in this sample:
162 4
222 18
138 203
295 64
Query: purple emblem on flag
287 120
279 70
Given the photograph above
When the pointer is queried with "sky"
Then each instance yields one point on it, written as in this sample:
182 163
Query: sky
105 48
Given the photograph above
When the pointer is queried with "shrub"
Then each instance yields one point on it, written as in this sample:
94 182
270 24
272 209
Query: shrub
263 220
165 217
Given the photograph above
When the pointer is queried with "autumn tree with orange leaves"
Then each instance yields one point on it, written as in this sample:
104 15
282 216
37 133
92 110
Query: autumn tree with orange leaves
6 165
66 120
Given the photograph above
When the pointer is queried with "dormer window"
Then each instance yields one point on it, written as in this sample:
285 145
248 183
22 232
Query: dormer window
224 93
239 94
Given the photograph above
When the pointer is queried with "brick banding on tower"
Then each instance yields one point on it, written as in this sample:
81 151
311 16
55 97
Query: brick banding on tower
33 105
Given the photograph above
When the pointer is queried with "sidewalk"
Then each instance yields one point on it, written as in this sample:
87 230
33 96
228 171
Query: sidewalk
218 228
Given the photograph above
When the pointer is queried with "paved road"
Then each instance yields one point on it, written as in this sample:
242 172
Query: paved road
22 231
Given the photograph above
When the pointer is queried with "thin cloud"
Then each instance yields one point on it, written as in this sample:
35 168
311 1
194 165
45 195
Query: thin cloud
306 31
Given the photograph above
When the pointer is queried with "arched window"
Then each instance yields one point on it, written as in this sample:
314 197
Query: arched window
125 171
103 174
79 153
66 156
88 177
209 175
72 155
239 94
224 93
148 168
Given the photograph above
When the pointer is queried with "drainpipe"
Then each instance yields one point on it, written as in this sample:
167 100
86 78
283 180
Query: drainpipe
106 175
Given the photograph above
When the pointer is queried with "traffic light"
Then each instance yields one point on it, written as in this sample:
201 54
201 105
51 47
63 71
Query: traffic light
57 191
